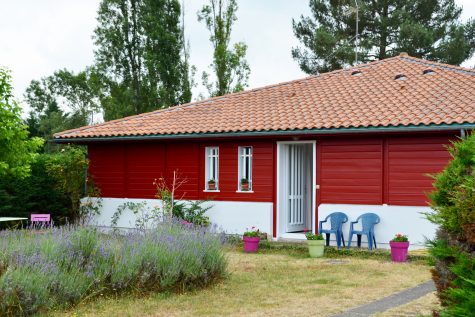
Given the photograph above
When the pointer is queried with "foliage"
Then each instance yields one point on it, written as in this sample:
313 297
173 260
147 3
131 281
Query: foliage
189 211
211 181
17 151
68 168
192 212
400 238
244 181
426 29
253 233
310 236
55 186
59 102
453 250
141 59
146 217
63 266
37 193
229 64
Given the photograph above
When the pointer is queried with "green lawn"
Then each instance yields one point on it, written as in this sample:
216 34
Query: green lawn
272 283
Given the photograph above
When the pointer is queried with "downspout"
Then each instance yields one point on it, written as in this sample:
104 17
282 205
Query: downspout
463 134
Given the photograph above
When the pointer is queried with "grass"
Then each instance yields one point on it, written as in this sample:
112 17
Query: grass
274 282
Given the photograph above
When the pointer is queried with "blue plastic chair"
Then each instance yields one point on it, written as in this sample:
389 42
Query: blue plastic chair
337 219
368 221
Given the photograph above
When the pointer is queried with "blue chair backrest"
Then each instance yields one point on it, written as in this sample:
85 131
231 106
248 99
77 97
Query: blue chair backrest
368 221
337 219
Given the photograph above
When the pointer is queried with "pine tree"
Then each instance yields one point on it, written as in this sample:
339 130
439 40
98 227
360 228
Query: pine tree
429 29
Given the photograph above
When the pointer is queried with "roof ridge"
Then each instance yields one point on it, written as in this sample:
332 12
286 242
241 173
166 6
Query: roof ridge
438 64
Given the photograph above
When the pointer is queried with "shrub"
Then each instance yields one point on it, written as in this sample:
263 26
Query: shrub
54 186
60 267
453 249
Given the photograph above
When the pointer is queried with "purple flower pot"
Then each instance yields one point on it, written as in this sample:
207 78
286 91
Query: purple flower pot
251 244
399 251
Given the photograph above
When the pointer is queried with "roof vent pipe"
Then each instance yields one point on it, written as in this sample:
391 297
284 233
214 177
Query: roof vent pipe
428 72
400 77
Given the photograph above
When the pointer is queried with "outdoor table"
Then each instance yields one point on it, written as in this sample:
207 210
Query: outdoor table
12 218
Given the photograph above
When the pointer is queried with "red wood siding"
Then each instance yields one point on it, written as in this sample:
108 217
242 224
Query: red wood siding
144 164
107 169
262 172
410 160
351 171
129 170
184 158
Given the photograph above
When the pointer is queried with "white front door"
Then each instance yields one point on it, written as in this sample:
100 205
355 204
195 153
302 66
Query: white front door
297 191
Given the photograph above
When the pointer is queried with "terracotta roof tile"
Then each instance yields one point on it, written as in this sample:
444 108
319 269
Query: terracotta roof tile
331 100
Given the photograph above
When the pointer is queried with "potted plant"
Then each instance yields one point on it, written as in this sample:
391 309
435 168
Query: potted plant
315 243
251 240
399 246
244 184
212 184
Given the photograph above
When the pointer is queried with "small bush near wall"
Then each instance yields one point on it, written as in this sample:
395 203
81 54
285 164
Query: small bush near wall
453 250
60 267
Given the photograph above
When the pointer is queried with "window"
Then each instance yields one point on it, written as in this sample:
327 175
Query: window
212 166
245 168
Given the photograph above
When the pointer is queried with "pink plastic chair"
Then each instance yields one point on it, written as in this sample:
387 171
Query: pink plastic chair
41 219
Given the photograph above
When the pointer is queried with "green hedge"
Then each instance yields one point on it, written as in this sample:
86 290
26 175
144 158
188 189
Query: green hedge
34 194
453 250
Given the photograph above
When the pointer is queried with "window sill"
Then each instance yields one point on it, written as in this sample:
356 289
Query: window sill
211 190
245 191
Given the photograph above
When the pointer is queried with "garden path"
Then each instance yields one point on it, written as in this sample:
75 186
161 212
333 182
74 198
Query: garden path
391 301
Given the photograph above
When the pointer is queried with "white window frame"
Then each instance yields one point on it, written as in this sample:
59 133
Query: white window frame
242 157
212 166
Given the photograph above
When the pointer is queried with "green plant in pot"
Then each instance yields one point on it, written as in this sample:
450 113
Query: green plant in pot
244 184
399 246
315 243
251 240
211 184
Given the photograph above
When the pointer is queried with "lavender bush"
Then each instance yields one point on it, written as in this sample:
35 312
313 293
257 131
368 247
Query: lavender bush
59 267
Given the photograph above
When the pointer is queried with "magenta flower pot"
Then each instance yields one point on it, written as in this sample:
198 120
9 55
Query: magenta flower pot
399 251
251 244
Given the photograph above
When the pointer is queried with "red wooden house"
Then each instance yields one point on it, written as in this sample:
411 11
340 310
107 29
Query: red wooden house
353 140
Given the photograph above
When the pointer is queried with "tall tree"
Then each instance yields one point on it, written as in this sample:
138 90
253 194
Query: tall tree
429 29
229 64
140 56
17 150
62 101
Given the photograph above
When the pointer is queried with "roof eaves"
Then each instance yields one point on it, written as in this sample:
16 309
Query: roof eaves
350 130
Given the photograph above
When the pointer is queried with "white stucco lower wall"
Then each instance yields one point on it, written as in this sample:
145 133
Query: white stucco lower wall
230 216
407 220
237 216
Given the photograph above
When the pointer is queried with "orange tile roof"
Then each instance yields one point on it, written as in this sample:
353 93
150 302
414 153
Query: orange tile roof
333 100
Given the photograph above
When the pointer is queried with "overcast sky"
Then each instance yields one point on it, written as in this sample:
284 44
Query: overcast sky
41 36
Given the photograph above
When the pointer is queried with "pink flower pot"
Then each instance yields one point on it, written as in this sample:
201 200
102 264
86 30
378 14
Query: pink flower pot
251 244
399 251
